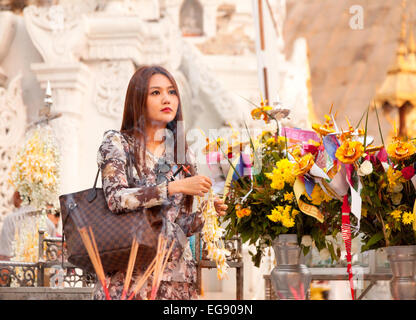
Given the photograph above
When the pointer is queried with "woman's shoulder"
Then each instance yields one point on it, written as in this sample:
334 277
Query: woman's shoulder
112 134
114 137
114 144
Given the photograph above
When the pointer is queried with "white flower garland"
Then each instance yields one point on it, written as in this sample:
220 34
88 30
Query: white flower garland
35 173
211 234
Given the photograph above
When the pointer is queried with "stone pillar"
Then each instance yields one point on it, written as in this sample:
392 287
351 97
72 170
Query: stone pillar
12 114
7 33
172 8
12 131
210 17
69 84
57 33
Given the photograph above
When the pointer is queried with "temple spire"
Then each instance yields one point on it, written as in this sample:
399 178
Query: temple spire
398 88
411 49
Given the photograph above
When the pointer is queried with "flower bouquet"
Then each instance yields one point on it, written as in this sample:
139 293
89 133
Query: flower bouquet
388 215
284 194
389 207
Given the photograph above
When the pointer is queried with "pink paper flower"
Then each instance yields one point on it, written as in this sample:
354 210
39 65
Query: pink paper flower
408 172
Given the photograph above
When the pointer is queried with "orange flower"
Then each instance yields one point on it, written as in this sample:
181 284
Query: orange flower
326 128
399 150
349 151
304 164
261 112
213 145
243 212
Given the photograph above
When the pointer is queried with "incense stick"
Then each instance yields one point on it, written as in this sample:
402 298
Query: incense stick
160 250
168 254
95 247
130 266
143 279
162 258
157 266
87 237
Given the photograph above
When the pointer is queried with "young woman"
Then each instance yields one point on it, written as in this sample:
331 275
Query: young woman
152 105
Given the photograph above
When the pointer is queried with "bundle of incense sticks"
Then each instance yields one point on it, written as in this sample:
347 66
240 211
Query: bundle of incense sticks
157 266
88 239
162 256
130 266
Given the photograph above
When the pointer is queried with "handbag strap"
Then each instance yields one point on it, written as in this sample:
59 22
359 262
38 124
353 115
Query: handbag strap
93 192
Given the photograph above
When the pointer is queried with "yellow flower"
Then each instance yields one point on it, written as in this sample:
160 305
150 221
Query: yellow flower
295 212
287 168
276 214
286 210
399 150
394 177
296 152
304 164
387 226
408 217
271 141
288 196
349 151
318 195
274 141
284 215
266 133
288 222
278 184
396 214
283 172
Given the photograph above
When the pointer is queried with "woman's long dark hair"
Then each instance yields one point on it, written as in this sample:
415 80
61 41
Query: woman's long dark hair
134 118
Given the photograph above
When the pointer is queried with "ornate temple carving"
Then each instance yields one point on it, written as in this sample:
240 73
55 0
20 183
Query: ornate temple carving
191 18
7 33
112 78
12 131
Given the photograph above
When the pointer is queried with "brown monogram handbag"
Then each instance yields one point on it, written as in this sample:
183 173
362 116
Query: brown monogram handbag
113 232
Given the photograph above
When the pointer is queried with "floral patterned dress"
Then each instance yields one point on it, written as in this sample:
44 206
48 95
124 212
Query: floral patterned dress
124 190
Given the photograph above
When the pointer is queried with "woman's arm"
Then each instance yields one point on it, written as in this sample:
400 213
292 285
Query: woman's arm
112 159
191 223
197 185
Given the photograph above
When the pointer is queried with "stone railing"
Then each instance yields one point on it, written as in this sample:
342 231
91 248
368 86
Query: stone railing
51 277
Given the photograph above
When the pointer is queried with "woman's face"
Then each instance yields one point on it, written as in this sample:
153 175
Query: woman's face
162 100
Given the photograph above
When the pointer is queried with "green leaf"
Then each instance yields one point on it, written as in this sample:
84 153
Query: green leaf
332 251
245 237
358 124
251 143
373 240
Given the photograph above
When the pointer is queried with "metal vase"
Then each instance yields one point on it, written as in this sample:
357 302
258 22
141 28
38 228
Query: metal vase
290 279
403 266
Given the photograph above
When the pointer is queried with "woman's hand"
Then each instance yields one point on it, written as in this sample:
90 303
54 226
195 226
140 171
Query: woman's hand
193 186
220 207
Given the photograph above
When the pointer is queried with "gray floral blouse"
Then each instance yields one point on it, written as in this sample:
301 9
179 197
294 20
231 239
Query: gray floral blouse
124 191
